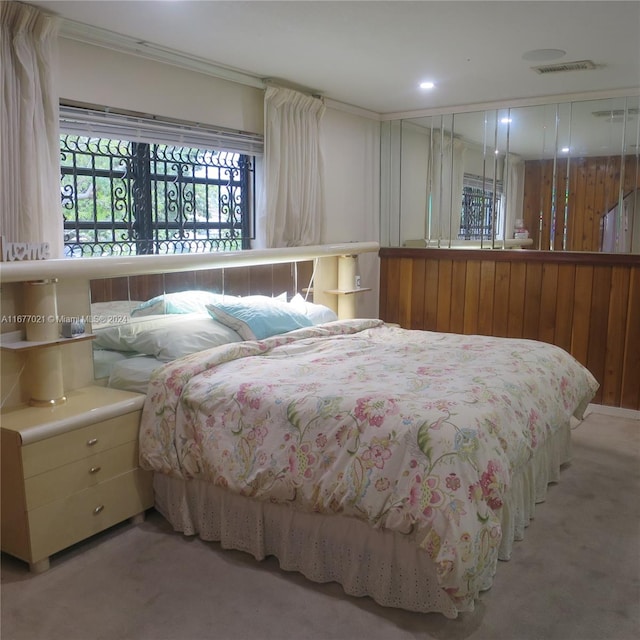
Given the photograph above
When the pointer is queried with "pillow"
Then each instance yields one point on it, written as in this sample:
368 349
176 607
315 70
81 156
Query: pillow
114 312
132 374
317 313
258 317
179 302
115 337
167 337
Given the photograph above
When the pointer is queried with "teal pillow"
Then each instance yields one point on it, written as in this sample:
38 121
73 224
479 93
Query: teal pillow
258 317
179 302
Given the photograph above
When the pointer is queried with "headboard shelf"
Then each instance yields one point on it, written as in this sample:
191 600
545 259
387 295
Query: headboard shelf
114 266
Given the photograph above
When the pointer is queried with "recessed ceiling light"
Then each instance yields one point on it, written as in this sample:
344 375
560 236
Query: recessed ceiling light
427 85
506 120
543 54
565 149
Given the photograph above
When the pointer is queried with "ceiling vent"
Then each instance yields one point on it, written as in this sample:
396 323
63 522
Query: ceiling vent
615 115
579 65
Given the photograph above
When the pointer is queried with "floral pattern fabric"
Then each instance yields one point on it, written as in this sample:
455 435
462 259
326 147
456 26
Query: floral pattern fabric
413 431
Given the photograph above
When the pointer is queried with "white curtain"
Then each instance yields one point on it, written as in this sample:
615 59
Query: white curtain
293 169
29 140
444 197
514 192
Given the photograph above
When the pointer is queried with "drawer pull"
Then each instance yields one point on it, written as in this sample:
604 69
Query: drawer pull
94 469
98 509
91 442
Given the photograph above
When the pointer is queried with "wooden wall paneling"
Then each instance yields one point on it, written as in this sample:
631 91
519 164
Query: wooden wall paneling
546 204
501 299
305 270
458 285
236 281
588 304
603 185
405 284
146 287
485 301
572 220
560 204
616 333
630 392
472 297
445 280
180 281
209 280
598 325
614 184
577 204
418 293
548 303
631 173
533 288
593 186
581 313
517 284
564 305
593 220
261 281
589 214
430 313
108 289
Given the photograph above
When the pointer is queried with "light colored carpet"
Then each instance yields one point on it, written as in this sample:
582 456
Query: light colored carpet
576 576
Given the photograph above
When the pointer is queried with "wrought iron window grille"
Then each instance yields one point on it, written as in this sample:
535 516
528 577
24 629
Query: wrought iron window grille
126 198
481 208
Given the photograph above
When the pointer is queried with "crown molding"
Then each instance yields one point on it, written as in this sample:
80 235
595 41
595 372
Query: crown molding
95 36
87 34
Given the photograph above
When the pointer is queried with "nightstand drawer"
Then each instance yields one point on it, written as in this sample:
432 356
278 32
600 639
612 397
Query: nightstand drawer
82 474
64 522
62 449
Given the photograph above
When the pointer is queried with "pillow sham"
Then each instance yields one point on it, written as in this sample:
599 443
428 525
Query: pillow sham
114 312
179 302
258 317
167 337
317 313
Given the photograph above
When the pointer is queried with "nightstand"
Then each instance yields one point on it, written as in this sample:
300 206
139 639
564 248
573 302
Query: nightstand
70 471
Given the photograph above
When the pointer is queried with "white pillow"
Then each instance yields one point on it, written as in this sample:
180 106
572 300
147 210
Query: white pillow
317 313
114 312
167 337
132 374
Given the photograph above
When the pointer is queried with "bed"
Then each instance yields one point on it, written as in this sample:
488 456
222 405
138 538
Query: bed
401 464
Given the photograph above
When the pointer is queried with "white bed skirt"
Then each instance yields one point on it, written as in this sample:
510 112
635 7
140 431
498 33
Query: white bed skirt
386 566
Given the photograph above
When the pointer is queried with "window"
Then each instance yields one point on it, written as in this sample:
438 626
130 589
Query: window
482 207
123 194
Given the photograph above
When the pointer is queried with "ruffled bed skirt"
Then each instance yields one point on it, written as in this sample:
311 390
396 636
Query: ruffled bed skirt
386 566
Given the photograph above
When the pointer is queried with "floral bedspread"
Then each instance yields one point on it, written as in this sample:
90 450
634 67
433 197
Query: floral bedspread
413 431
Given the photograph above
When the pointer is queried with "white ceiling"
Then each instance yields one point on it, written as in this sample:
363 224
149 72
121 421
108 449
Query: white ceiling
373 55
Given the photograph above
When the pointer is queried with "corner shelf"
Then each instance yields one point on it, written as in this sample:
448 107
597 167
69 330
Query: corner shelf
347 292
27 345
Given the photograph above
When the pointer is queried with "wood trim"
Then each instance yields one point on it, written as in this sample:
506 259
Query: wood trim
513 255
